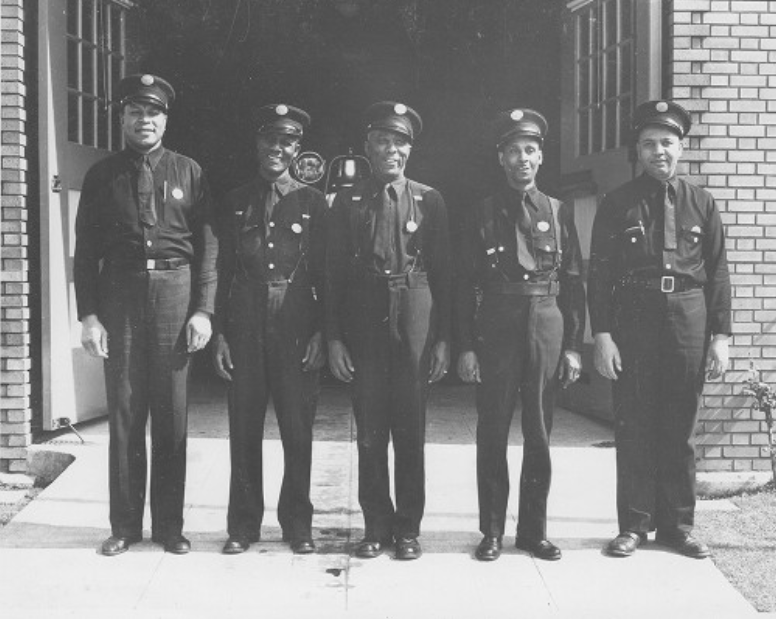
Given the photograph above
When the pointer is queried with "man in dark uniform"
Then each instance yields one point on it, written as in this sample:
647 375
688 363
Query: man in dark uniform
145 280
521 252
388 278
659 295
269 317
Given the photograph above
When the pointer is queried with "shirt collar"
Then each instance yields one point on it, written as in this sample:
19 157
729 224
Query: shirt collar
377 185
153 157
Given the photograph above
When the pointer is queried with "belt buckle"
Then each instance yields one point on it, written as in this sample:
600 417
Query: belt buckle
667 283
150 265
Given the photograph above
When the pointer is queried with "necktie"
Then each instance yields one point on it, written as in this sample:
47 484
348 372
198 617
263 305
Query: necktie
145 192
270 200
523 229
384 220
669 218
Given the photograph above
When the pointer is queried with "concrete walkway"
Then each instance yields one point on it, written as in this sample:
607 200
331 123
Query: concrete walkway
50 566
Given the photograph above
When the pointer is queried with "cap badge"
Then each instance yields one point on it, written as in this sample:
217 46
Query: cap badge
281 110
516 114
411 226
543 226
661 106
400 109
177 193
297 228
147 80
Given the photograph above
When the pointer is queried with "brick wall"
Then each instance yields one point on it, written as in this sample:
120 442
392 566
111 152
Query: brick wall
724 72
15 364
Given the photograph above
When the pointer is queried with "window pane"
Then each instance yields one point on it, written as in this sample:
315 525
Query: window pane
114 114
610 17
72 17
626 54
625 120
597 130
87 20
584 83
87 82
626 29
584 132
610 124
115 28
116 73
72 64
594 85
584 34
89 117
73 117
611 74
102 126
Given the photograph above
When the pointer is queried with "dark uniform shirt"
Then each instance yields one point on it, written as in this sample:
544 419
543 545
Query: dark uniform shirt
629 239
108 226
354 243
270 245
479 264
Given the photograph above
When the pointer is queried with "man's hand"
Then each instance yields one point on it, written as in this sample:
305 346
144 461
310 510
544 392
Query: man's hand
570 367
314 355
198 331
340 362
222 358
469 367
440 361
94 337
719 357
607 356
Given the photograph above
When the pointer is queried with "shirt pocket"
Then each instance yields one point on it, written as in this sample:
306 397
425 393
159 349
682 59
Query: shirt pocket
545 249
691 241
633 241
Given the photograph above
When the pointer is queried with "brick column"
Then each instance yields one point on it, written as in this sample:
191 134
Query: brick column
724 71
15 363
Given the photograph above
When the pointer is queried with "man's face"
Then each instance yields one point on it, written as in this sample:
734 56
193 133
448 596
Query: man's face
521 157
659 150
275 152
143 125
388 153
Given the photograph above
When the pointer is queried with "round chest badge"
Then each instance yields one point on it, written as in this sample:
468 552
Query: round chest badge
297 228
411 226
177 193
543 226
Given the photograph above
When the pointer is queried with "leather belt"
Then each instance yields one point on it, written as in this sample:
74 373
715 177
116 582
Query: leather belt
666 284
526 289
152 264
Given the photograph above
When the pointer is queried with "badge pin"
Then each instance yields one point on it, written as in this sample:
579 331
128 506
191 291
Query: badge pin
281 110
695 229
543 226
661 106
400 109
296 228
147 80
516 114
411 226
177 193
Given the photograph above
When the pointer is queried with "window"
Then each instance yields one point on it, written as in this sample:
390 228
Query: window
96 53
605 62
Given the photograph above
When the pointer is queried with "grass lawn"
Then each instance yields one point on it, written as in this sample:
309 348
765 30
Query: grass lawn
743 544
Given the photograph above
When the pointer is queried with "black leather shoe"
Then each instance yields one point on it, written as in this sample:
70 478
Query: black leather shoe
371 548
684 544
541 549
304 546
625 544
236 545
174 544
408 548
116 545
489 549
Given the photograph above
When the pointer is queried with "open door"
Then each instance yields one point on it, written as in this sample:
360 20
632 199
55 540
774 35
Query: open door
81 55
611 61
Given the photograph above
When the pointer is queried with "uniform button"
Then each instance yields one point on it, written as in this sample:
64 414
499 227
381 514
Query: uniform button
149 243
547 248
271 265
270 245
272 224
668 266
501 248
633 239
526 276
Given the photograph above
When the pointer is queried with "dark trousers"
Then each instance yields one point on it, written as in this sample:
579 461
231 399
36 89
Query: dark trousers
662 341
267 347
389 392
146 372
519 347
